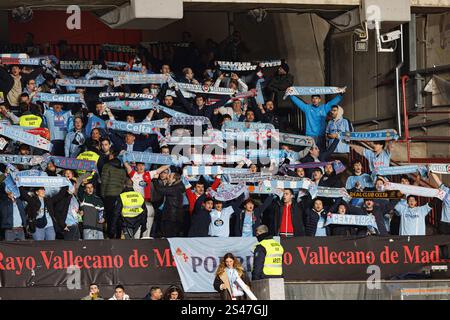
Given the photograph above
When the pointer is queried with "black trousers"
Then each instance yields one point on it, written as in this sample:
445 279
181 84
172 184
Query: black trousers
130 231
58 148
73 233
113 232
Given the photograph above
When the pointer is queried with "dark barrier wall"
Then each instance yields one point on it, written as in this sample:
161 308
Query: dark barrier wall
39 270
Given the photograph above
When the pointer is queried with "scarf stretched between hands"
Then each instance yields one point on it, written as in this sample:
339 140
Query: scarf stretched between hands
243 126
44 181
190 121
387 171
351 220
25 137
211 170
50 97
308 91
140 78
138 128
439 168
74 164
82 83
294 139
377 135
200 159
23 160
78 65
198 88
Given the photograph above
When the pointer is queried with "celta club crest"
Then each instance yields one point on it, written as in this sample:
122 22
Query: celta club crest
388 134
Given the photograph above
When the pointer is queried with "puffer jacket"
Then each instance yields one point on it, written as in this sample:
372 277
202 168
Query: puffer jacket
113 178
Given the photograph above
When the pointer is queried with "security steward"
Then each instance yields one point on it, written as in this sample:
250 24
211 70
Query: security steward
268 256
131 212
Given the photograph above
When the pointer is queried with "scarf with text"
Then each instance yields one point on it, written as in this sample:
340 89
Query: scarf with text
377 135
25 137
309 91
82 83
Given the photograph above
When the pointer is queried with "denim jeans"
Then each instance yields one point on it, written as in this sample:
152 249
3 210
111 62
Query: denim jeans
90 234
13 235
73 233
47 233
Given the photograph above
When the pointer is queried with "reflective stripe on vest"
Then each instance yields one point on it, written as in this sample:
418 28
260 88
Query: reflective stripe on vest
30 120
132 202
273 262
88 155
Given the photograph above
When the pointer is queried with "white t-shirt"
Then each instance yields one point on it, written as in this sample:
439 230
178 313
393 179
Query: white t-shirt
138 181
220 222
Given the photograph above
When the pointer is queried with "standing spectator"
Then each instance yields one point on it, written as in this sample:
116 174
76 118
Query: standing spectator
379 157
412 221
369 208
221 217
119 293
91 208
201 217
315 220
67 215
174 293
248 220
13 221
188 76
198 190
113 179
316 155
336 126
359 180
267 114
316 114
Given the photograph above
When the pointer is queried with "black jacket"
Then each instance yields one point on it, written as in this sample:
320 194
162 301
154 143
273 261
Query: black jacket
297 219
6 212
323 156
200 220
239 217
7 81
312 218
379 219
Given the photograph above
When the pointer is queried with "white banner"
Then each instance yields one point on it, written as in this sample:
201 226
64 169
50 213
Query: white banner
197 259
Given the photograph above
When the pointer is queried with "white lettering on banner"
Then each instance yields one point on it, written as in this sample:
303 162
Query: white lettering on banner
73 21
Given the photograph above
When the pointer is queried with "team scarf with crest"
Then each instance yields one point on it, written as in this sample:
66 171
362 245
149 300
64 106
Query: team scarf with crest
309 91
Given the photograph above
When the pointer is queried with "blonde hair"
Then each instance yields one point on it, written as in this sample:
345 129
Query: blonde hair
236 265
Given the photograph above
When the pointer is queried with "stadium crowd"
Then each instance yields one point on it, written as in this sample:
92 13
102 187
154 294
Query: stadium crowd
178 196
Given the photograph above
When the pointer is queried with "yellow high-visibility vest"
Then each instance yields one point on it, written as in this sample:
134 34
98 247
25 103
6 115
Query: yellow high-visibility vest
273 263
30 120
88 155
132 202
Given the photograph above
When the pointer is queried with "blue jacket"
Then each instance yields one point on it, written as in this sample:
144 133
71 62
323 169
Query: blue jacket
316 116
6 212
58 123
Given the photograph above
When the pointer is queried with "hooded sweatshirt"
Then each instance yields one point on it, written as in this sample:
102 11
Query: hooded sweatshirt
339 125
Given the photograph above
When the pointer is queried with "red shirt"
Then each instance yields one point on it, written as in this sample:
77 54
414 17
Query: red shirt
192 196
286 220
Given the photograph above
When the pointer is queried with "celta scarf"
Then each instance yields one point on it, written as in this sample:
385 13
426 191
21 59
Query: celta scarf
63 98
387 171
82 83
154 158
256 136
210 170
171 112
75 65
236 66
118 48
197 88
22 61
132 105
108 74
192 141
200 159
25 137
415 190
248 177
140 78
439 168
378 135
11 186
190 121
23 160
74 164
254 154
294 139
337 165
125 95
309 91
14 55
94 122
137 128
243 126
326 192
281 182
228 192
351 220
115 64
44 181
243 95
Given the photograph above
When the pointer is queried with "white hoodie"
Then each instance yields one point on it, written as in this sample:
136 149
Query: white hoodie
125 297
